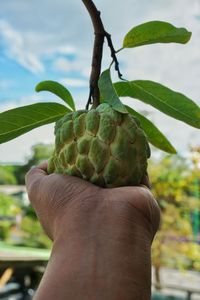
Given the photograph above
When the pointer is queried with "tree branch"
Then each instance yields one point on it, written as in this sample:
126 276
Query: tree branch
99 31
100 34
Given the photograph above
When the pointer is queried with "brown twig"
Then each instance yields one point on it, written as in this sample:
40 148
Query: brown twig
100 34
113 54
99 31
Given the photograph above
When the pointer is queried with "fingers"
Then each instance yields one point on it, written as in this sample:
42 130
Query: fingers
43 166
33 177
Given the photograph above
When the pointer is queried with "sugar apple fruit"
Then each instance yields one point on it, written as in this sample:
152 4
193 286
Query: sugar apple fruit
102 146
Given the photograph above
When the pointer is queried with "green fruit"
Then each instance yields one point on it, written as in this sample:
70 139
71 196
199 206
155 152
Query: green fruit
103 146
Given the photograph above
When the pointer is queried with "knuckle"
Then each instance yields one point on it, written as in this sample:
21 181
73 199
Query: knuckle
29 174
32 190
32 185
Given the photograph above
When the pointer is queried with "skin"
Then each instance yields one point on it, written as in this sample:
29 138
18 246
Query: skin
101 237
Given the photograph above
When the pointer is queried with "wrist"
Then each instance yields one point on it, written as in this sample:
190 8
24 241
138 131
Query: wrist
113 260
100 251
83 272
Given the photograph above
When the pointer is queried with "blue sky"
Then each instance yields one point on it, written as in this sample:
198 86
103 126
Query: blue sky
53 40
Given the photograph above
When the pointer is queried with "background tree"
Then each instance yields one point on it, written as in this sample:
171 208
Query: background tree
8 212
39 153
174 184
7 175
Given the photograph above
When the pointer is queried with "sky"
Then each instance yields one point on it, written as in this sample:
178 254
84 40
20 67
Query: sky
53 40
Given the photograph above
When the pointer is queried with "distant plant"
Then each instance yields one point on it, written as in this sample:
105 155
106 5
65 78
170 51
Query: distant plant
9 208
7 176
39 152
33 235
175 185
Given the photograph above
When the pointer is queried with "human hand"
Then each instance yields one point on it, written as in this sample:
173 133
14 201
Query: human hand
101 237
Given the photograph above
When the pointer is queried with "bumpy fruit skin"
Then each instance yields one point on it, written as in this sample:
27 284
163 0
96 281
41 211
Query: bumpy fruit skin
102 146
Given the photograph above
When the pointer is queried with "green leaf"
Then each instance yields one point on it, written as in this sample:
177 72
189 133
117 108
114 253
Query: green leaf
171 103
57 89
108 92
154 135
18 121
155 32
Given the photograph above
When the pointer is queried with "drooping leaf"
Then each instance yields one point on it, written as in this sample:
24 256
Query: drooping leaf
18 121
154 135
57 89
108 92
171 103
155 32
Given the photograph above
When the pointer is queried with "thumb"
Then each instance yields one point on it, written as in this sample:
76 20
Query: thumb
33 179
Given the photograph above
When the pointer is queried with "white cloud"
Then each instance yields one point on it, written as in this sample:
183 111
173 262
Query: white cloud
18 149
64 65
16 48
73 82
79 65
25 100
29 48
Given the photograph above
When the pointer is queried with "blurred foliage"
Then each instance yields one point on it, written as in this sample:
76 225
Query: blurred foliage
39 153
176 187
33 235
29 230
15 174
9 209
7 175
9 206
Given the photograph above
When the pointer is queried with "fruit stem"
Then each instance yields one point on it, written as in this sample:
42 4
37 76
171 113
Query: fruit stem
100 34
